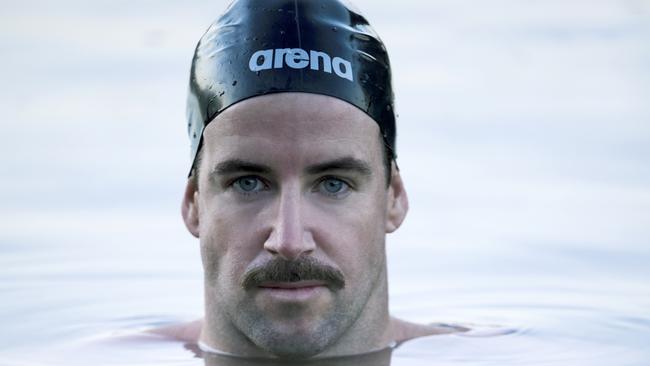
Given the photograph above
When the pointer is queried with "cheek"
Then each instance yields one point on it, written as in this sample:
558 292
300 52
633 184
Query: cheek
353 235
229 243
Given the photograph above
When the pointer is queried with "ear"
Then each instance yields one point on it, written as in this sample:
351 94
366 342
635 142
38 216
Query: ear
398 203
190 207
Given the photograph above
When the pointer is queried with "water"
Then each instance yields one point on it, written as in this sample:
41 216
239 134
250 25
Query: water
523 141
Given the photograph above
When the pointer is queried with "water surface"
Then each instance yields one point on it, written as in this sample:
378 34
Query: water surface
523 139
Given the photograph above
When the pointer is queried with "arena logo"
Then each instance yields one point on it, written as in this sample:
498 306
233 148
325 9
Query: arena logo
297 58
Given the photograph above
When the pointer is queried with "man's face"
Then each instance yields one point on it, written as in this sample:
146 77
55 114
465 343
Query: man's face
292 210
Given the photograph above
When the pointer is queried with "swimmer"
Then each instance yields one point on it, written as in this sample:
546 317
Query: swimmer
293 184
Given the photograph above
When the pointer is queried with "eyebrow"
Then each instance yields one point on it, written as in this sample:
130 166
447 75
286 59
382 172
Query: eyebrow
348 163
232 166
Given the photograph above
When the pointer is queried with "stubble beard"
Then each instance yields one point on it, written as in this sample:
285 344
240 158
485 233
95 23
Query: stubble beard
293 338
292 331
299 332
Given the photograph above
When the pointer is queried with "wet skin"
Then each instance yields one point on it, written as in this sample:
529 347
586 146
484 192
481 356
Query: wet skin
295 178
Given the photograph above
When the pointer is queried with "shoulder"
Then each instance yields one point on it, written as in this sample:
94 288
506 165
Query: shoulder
404 330
185 332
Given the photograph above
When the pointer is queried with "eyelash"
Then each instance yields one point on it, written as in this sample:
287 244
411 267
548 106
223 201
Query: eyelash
345 189
347 186
233 184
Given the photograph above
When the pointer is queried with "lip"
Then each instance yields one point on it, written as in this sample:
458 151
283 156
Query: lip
291 285
293 291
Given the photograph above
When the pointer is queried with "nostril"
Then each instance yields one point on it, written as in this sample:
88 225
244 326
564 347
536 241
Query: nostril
288 247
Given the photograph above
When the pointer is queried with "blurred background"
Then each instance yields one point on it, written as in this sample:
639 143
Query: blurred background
523 139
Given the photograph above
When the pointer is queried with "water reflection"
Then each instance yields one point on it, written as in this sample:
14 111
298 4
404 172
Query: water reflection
377 358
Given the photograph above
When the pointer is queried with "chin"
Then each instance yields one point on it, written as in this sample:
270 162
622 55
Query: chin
295 347
295 339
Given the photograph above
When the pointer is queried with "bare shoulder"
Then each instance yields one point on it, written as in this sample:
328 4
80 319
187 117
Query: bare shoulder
404 330
185 332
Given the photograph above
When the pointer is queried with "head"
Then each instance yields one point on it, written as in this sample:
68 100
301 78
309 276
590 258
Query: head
291 197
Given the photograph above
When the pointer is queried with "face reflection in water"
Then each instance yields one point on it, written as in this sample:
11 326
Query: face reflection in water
378 358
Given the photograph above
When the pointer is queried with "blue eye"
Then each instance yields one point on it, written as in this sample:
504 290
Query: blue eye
333 186
248 184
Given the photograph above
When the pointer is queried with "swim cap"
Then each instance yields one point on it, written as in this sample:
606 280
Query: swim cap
260 47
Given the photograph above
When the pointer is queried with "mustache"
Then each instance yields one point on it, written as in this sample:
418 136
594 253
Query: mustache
301 269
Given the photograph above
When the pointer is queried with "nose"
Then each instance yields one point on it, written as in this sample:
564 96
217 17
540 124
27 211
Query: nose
289 237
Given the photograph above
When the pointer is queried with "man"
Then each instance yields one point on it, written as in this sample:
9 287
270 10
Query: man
294 183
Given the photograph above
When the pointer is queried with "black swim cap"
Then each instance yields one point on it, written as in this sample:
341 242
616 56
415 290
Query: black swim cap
269 46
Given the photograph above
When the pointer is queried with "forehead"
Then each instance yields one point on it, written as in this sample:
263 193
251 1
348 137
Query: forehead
293 126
